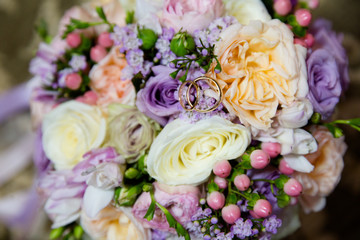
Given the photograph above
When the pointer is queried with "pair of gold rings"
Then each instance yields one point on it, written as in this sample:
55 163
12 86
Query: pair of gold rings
190 105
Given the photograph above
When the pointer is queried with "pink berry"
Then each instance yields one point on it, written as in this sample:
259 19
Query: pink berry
262 208
253 214
91 97
313 4
242 182
309 39
300 42
271 148
292 187
303 17
282 7
97 53
222 169
105 40
221 182
73 40
284 168
216 200
231 213
259 159
73 81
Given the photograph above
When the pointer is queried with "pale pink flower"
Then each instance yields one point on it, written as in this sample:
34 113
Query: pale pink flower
181 201
190 15
328 164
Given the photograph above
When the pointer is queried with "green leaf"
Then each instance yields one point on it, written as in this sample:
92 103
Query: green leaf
174 74
183 78
231 198
336 131
117 194
42 30
56 233
280 181
181 231
283 200
212 187
151 210
130 17
354 121
100 12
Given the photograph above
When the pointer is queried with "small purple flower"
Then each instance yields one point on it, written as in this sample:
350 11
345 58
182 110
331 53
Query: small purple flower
78 62
135 59
271 224
200 214
43 69
242 229
62 74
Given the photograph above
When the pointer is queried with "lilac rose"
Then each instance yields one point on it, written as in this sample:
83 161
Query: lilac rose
181 201
324 82
158 99
327 65
326 38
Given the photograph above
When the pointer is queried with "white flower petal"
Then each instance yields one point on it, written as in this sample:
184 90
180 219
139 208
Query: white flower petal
298 163
95 199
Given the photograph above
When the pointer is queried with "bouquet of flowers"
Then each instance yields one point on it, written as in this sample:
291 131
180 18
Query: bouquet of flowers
189 119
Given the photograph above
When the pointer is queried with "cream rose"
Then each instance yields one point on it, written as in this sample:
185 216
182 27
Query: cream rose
328 165
185 153
114 224
246 10
130 132
106 81
261 68
71 130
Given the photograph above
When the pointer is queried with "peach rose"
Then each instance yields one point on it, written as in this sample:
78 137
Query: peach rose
106 83
328 165
261 69
114 224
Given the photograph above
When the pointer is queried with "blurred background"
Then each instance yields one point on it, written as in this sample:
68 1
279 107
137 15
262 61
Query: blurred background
18 43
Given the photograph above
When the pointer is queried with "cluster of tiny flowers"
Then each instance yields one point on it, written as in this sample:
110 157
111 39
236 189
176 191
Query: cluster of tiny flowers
130 45
164 54
43 66
211 35
78 62
243 229
205 102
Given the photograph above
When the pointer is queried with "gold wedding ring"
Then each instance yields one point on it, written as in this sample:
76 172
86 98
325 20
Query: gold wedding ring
189 105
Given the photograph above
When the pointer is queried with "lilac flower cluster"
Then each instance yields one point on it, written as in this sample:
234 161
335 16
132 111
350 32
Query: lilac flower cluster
164 54
211 35
243 229
43 66
130 45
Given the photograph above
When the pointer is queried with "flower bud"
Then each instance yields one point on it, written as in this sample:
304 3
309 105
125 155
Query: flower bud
131 173
128 196
182 44
148 38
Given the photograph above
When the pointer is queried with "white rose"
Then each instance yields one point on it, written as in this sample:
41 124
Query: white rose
246 10
295 115
185 153
71 130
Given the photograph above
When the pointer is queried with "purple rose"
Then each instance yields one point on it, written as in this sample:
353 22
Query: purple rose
158 99
181 201
324 82
330 41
